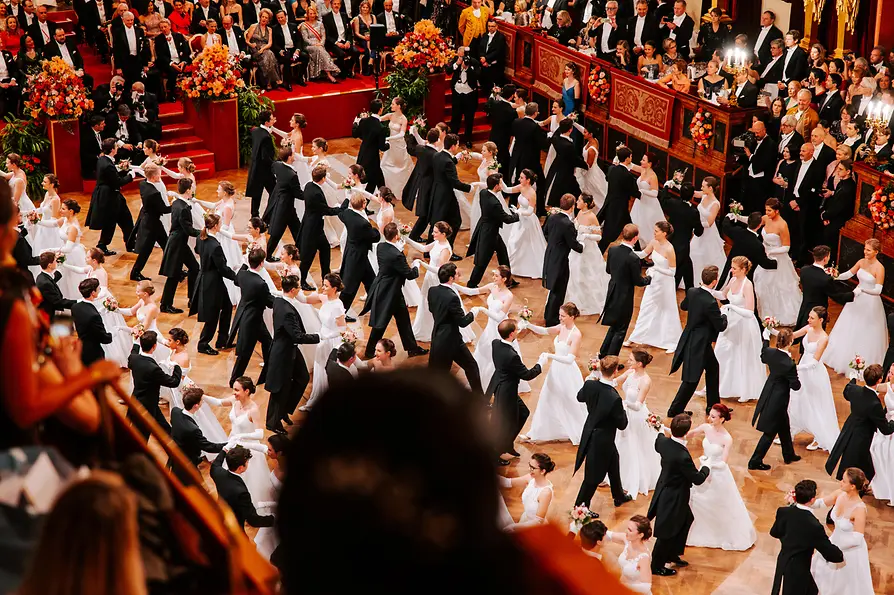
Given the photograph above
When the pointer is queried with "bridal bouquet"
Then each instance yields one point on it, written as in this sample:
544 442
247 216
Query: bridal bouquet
770 322
420 124
138 330
159 160
736 208
124 165
464 156
593 365
832 271
654 422
110 304
348 336
60 257
525 313
34 216
858 364
348 184
404 229
580 516
554 210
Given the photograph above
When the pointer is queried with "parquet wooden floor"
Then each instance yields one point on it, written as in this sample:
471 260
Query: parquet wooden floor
711 571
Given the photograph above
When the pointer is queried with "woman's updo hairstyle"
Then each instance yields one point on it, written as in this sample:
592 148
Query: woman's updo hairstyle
358 171
874 244
742 262
388 346
321 143
300 120
665 227
857 478
546 464
444 228
179 335
72 205
571 309
334 281
291 250
723 410
258 223
588 200
643 525
821 313
97 255
642 357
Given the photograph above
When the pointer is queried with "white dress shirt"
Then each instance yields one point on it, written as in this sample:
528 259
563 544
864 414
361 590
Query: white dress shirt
760 38
751 171
785 140
131 36
788 58
638 31
172 47
287 36
462 86
45 31
802 171
606 32
339 26
4 68
66 56
678 20
547 21
101 8
389 22
770 65
232 42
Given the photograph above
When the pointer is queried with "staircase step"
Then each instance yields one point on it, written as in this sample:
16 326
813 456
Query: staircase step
176 130
183 143
200 157
171 113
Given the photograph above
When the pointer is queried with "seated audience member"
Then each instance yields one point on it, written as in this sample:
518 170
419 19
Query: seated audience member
562 31
10 91
288 46
172 56
180 19
202 14
66 49
144 108
395 25
107 98
123 128
150 19
624 59
670 53
28 61
746 91
677 78
361 29
12 35
260 42
340 39
233 38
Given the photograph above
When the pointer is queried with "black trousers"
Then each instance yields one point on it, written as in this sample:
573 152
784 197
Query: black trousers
269 183
491 76
440 359
145 246
242 358
464 106
687 389
596 465
554 301
345 58
220 322
122 219
170 289
278 226
170 74
684 271
614 338
352 279
283 402
422 223
155 413
669 549
404 328
831 235
766 441
287 61
513 413
502 259
307 257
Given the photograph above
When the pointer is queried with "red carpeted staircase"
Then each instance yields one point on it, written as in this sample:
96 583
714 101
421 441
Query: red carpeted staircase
481 128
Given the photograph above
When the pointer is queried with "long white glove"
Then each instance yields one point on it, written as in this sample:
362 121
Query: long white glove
664 271
416 245
67 247
850 540
718 295
745 312
468 290
844 276
495 316
565 359
779 250
504 482
212 400
734 217
588 236
48 223
525 211
540 330
395 136
77 269
649 192
257 434
874 290
635 406
640 253
807 363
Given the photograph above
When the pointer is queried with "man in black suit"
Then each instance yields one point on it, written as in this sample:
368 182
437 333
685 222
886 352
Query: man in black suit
866 417
771 72
822 153
490 49
694 351
233 38
510 411
771 411
447 345
41 30
640 28
131 50
280 213
789 137
287 376
232 490
746 241
201 15
769 32
108 208
148 378
312 238
624 267
802 208
172 56
60 47
385 299
288 46
260 172
486 240
527 140
801 534
23 253
560 178
818 286
678 26
150 230
177 253
88 323
445 180
121 126
622 188
91 16
249 320
837 206
684 218
212 302
340 368
464 83
373 139
605 416
47 282
251 12
91 145
185 429
107 98
612 30
394 22
144 108
746 92
10 90
759 163
670 502
829 109
561 239
501 116
418 188
795 61
355 265
340 38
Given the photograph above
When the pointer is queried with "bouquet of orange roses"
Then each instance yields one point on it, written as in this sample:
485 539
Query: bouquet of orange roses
702 129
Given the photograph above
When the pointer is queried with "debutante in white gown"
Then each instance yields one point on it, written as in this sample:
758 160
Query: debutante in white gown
738 351
861 329
721 519
630 576
302 169
411 293
205 418
882 451
640 463
267 540
396 163
232 252
475 204
658 322
161 352
592 181
25 204
551 153
587 279
852 577
483 353
559 415
646 212
812 409
76 256
257 475
332 226
330 338
526 246
424 322
706 249
119 349
778 291
43 238
530 498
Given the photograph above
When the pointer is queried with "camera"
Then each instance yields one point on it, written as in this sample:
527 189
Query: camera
746 139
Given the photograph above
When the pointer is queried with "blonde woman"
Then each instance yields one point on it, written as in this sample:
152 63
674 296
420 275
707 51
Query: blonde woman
260 39
314 36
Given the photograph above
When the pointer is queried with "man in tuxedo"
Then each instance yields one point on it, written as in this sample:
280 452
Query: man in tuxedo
148 378
818 286
232 490
251 12
91 145
605 416
501 115
560 178
373 139
280 213
185 429
233 38
260 172
385 299
486 240
759 163
768 33
108 208
464 83
131 50
694 351
68 51
355 265
866 417
417 191
41 30
340 38
249 320
837 206
829 109
92 15
212 302
23 253
511 413
124 129
202 14
625 268
490 49
288 46
395 24
746 91
340 368
802 208
287 376
47 282
10 91
172 56
312 238
107 98
150 230
640 28
527 140
801 534
822 153
771 72
678 26
795 65
682 214
622 189
670 501
561 239
447 345
177 253
445 180
746 241
88 323
144 108
610 32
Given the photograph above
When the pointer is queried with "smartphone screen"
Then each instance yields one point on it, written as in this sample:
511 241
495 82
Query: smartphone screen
62 326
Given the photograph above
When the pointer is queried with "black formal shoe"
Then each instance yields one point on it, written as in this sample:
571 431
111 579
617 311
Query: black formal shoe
171 310
627 498
513 452
417 352
501 462
306 287
758 467
350 318
222 346
139 277
277 429
272 259
107 252
664 572
455 257
689 413
206 349
513 284
794 459
301 82
288 87
680 562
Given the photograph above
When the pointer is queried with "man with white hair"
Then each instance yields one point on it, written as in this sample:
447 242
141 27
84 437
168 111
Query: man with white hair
788 136
801 208
805 115
131 51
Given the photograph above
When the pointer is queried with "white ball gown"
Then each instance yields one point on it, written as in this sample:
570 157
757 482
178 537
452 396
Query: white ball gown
43 236
474 205
861 329
257 475
332 226
559 415
302 169
646 212
424 322
852 577
330 338
530 498
396 163
592 181
554 121
778 291
411 293
640 463
526 246
483 353
706 249
161 352
812 409
232 252
119 349
882 451
25 204
630 575
266 539
76 256
587 279
658 321
738 351
721 519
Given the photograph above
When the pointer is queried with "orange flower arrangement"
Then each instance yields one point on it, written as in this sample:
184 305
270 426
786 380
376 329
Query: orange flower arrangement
702 129
214 74
599 84
424 47
57 92
881 206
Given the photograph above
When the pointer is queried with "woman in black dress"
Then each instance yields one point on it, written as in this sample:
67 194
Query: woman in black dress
786 172
712 36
